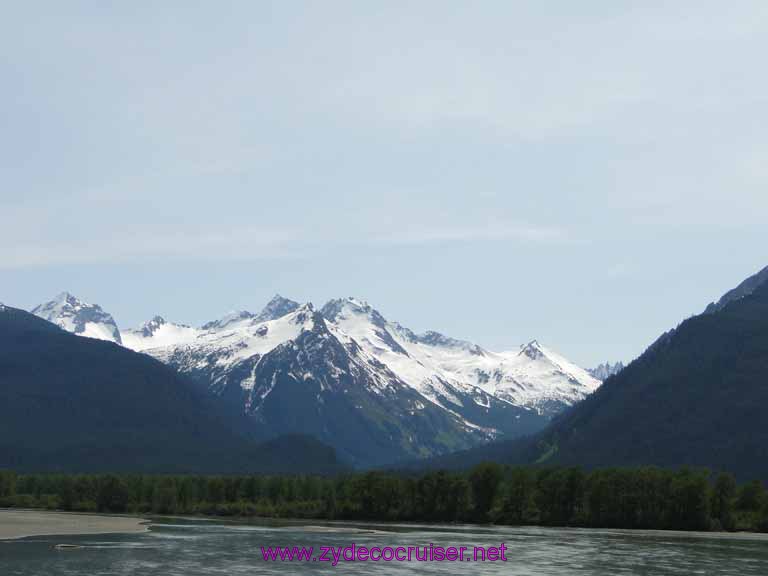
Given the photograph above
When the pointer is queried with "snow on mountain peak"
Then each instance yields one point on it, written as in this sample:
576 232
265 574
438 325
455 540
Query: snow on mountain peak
236 336
353 310
277 307
441 367
344 307
456 375
79 317
149 328
300 314
227 319
64 296
532 350
432 338
64 300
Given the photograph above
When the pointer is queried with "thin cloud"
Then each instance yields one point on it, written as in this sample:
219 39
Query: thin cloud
257 243
236 244
516 231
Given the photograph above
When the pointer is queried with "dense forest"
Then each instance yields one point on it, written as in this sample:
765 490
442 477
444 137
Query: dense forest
650 498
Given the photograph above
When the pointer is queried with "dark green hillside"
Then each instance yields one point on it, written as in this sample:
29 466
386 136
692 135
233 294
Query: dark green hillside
69 403
697 397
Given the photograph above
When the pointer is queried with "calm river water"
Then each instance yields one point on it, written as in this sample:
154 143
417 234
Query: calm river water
192 547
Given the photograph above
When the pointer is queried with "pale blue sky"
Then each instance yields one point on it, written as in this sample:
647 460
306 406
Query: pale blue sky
585 173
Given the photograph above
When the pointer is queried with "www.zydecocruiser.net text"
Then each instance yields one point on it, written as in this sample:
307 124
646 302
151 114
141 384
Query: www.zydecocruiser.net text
355 553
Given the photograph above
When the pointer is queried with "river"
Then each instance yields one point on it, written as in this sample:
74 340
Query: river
195 547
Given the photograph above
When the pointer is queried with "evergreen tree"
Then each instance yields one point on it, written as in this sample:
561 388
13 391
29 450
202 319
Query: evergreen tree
519 504
485 480
7 483
112 494
690 497
165 498
723 499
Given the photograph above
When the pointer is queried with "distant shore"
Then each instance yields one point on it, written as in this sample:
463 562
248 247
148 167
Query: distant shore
15 524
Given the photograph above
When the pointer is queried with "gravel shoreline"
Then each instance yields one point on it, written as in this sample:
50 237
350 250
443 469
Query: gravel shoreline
15 524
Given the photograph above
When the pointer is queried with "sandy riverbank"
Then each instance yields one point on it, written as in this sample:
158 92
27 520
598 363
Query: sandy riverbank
22 523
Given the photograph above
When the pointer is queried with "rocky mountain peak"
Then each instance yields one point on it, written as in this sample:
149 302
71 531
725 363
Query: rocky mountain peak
79 317
149 328
532 350
746 288
277 307
606 370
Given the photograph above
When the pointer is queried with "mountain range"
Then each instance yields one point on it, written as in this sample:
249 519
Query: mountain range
296 386
696 397
373 389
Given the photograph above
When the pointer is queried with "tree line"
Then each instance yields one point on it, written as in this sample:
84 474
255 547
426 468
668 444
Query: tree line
648 497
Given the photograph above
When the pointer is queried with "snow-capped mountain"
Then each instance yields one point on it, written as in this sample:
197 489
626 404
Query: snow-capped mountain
372 388
229 350
531 377
277 308
158 333
604 371
79 317
300 373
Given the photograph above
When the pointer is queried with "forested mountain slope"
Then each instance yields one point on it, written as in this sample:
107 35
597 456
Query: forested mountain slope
697 397
79 404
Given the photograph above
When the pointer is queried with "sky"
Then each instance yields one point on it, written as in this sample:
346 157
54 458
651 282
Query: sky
587 174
